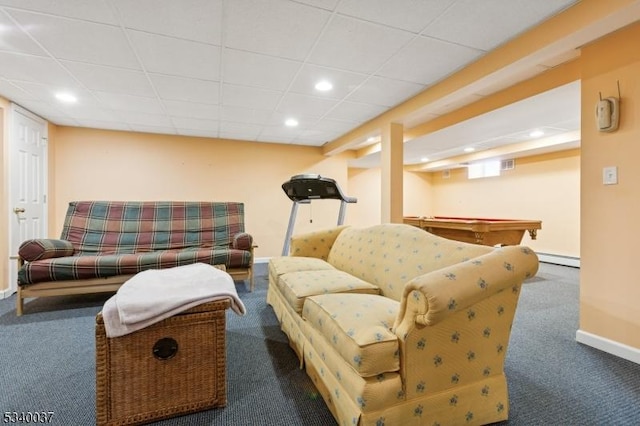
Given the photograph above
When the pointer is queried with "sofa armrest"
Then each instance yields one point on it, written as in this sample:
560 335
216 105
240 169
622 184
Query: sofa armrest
44 248
242 241
430 298
315 244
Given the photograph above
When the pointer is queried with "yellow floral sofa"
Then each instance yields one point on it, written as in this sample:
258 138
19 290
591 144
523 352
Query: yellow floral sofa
396 326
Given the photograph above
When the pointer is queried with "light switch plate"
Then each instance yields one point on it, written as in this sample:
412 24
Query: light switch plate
610 175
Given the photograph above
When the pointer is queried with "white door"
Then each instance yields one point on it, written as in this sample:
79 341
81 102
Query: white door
28 182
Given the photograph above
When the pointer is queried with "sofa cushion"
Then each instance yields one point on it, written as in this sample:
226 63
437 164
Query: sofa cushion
115 227
358 327
44 248
86 267
296 286
390 255
284 265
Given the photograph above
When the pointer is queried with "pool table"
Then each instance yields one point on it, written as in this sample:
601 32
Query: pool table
489 232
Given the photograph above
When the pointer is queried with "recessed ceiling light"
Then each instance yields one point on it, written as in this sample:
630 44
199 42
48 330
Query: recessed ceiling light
469 149
66 97
536 133
424 159
324 86
371 139
291 122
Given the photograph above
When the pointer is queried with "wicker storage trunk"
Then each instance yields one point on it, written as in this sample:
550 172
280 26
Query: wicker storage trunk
174 367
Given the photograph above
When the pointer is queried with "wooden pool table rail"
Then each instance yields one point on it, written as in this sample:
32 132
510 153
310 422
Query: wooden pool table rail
477 230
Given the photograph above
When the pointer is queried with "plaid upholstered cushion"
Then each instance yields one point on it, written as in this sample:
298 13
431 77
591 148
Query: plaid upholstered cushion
85 267
113 227
109 238
44 248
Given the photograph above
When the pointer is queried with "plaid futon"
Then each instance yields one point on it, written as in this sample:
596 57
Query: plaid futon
116 238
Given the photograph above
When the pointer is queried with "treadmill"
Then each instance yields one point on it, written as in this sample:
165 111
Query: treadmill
302 189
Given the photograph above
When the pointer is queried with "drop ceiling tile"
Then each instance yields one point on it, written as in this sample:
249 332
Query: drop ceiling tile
172 56
322 4
385 91
252 69
486 25
89 10
279 134
82 111
243 131
426 60
250 97
193 110
153 129
278 119
145 119
409 15
47 93
195 124
107 125
293 103
119 101
71 122
186 89
343 82
279 28
198 133
11 91
42 108
246 115
314 137
355 45
79 41
353 111
36 69
200 20
15 40
117 80
338 127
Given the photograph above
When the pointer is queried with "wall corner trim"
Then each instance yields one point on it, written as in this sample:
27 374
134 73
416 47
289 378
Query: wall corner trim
610 346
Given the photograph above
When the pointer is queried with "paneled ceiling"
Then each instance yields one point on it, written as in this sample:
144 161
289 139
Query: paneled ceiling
238 69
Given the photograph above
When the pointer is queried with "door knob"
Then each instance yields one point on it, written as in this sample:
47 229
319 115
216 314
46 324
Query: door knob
17 210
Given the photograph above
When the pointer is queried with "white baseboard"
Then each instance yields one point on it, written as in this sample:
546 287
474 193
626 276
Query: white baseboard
558 259
610 346
6 293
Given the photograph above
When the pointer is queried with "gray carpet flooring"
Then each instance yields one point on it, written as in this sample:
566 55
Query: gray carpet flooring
47 363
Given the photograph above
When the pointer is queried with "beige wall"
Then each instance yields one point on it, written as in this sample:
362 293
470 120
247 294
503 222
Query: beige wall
609 290
366 183
542 187
110 165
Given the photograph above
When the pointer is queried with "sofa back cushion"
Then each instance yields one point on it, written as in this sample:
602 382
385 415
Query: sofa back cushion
104 227
389 255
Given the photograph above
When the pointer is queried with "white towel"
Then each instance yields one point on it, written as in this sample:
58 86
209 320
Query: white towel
153 295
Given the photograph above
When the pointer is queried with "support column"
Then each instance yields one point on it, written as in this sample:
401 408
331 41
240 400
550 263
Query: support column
391 173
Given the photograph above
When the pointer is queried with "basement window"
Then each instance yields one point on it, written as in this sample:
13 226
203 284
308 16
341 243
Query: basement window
484 169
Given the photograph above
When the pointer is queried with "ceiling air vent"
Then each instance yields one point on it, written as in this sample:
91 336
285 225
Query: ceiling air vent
446 174
509 164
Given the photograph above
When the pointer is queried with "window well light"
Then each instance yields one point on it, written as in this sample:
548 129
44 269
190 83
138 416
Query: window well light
536 133
66 97
323 86
291 122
